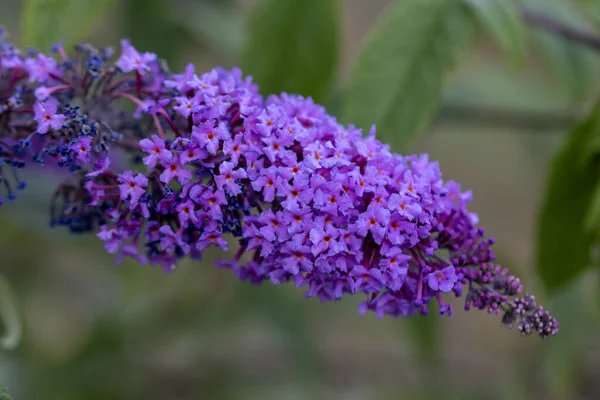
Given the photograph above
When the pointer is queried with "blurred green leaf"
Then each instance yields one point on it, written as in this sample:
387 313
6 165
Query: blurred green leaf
563 243
576 65
293 46
9 317
214 24
398 77
4 394
502 19
592 221
151 26
45 22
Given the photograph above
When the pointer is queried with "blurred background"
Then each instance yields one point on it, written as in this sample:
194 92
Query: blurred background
93 330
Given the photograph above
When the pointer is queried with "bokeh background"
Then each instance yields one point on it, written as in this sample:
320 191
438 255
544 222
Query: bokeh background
93 330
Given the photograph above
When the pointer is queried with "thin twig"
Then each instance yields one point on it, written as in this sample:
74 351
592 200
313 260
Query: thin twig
551 25
533 121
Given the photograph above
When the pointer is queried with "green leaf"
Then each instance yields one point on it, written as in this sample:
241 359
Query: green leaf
398 78
151 26
10 336
563 242
293 46
215 25
502 19
576 65
592 220
45 22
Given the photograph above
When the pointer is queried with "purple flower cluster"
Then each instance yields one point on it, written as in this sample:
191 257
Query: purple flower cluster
309 200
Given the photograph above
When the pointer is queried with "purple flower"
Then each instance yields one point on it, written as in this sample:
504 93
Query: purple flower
209 239
375 221
82 148
186 213
296 195
442 280
325 240
170 240
185 106
182 81
131 60
191 155
228 178
132 187
174 170
298 258
274 229
311 201
46 116
157 151
268 183
368 281
40 68
100 167
130 251
234 148
208 136
405 205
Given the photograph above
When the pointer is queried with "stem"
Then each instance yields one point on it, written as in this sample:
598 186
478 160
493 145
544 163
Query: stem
558 28
533 121
161 132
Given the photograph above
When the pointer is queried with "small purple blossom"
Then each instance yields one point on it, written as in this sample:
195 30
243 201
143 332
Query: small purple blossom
132 187
156 150
132 60
442 280
46 116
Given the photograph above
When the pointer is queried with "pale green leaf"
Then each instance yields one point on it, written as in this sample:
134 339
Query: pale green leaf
10 323
293 46
502 19
399 75
45 22
563 242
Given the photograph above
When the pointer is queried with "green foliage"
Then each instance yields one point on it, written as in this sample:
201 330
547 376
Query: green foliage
502 19
293 46
10 323
563 242
45 22
592 220
140 19
214 25
398 78
576 65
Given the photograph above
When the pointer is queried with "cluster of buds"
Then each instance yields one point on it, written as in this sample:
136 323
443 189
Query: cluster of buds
309 200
